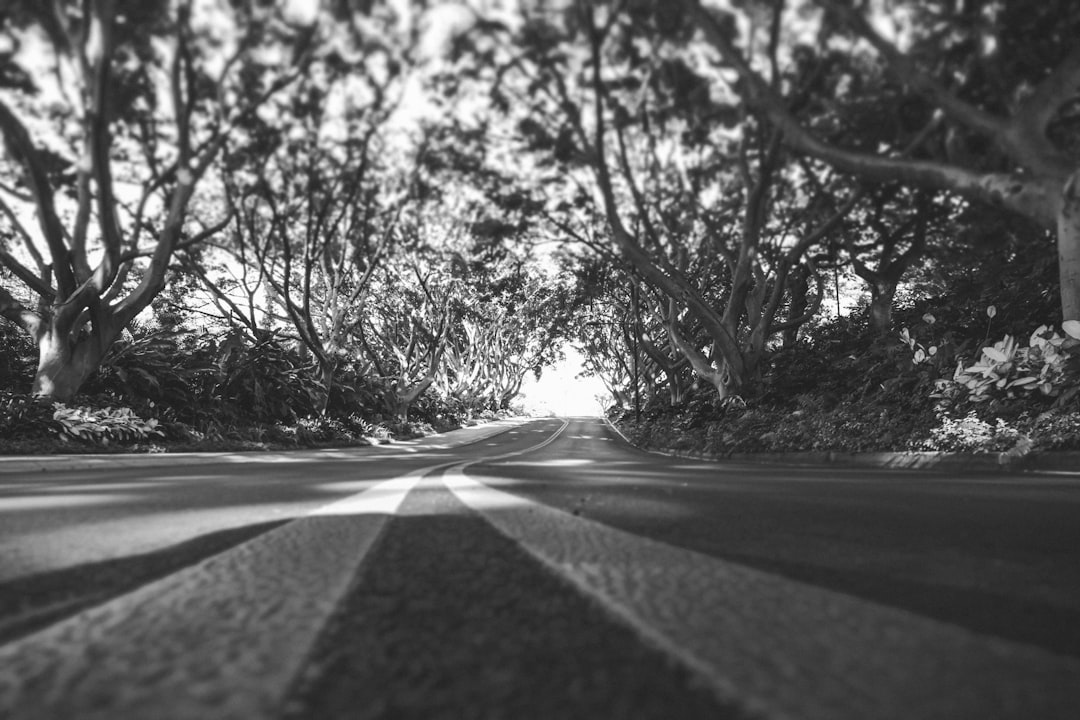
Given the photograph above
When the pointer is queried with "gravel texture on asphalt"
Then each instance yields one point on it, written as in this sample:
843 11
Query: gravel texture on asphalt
30 603
449 619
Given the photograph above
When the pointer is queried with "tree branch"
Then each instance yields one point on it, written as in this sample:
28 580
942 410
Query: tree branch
14 311
908 72
1035 197
22 149
29 278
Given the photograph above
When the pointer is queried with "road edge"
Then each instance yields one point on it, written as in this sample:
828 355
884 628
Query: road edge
1046 462
35 464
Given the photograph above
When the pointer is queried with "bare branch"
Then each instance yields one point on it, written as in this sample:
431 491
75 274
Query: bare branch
14 311
22 149
28 239
29 278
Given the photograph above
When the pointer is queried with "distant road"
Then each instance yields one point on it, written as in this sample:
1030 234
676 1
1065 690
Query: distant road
548 571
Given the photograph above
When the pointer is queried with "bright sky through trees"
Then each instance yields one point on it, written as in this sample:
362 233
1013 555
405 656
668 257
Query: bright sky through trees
560 391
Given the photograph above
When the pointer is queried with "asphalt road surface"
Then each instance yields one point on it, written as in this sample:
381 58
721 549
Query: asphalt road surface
544 570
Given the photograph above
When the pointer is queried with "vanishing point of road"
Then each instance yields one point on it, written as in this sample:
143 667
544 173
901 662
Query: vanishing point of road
532 569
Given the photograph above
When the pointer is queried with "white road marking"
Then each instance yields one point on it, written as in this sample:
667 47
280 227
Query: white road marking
222 639
778 647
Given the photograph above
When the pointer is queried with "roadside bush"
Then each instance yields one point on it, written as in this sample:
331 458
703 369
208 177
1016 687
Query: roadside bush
1056 431
356 393
18 359
151 371
263 382
1048 366
102 426
972 434
24 416
205 391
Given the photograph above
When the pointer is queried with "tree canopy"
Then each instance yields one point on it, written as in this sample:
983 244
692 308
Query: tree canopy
428 199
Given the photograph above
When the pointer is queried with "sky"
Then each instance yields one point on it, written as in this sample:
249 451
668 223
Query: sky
560 392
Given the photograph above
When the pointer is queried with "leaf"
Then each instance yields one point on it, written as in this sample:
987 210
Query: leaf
995 354
991 311
1072 328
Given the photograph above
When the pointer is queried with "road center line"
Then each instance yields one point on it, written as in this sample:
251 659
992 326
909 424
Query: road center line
781 648
221 639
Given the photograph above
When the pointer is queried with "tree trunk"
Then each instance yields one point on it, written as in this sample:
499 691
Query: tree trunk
724 379
403 399
881 306
676 389
326 370
63 366
1068 243
800 287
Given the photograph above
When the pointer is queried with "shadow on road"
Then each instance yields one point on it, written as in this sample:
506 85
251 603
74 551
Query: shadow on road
33 602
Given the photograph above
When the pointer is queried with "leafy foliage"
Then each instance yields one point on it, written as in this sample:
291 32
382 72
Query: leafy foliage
18 358
345 263
972 434
1049 365
102 426
264 381
24 416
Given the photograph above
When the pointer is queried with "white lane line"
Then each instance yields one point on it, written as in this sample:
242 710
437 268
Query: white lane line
222 639
781 648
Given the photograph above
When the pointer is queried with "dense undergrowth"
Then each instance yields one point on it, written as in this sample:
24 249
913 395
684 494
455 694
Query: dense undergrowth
163 391
938 384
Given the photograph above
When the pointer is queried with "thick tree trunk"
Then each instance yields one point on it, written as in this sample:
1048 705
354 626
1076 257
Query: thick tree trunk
724 379
1068 243
403 399
63 367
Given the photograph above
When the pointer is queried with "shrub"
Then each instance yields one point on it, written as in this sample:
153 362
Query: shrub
972 434
24 416
263 381
101 426
150 369
18 359
1057 431
1006 370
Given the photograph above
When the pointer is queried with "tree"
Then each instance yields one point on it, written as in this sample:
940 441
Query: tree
891 234
406 328
1008 124
142 98
511 325
680 180
316 193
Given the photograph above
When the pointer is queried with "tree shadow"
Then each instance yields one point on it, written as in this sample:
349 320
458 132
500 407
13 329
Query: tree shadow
896 545
33 602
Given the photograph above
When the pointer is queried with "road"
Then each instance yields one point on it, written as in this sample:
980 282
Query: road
546 571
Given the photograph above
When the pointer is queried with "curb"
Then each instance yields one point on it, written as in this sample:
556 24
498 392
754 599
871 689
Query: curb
14 464
1060 462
